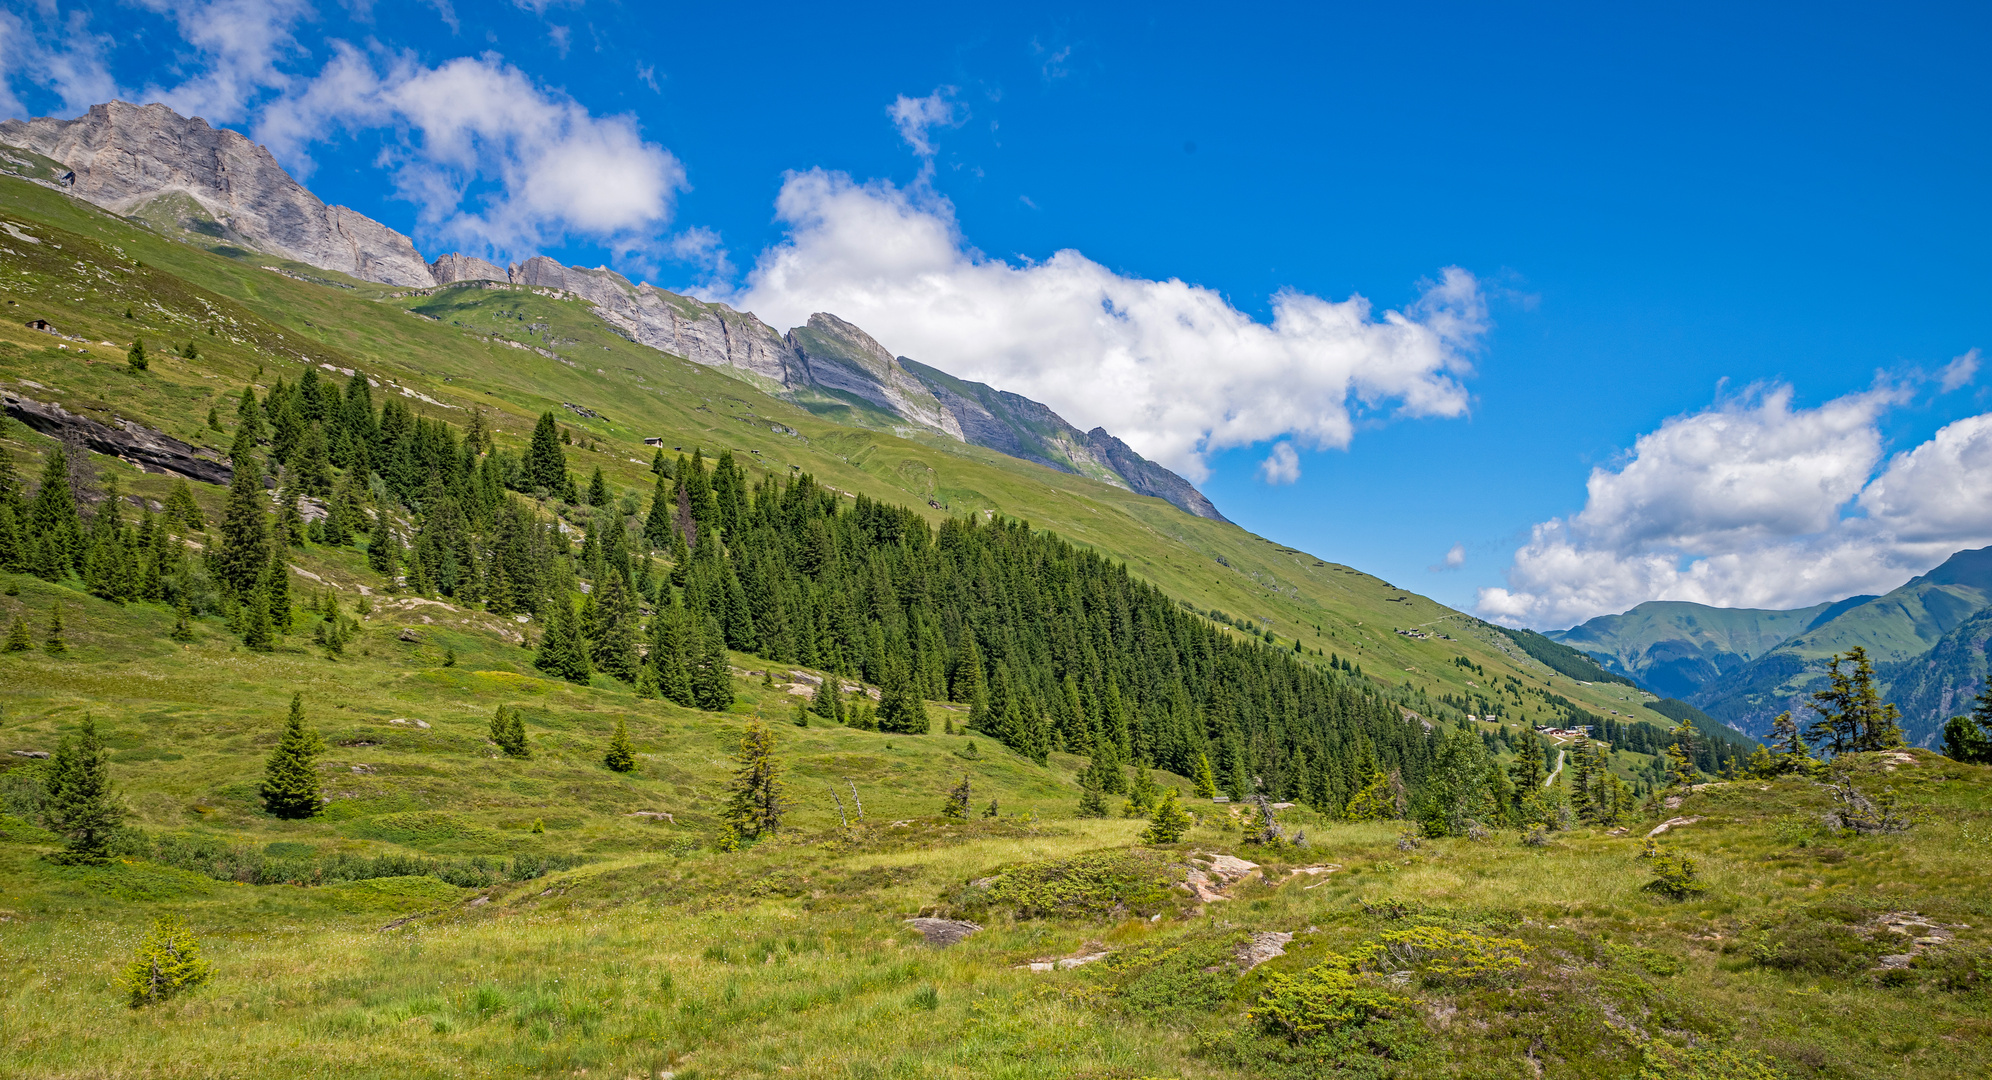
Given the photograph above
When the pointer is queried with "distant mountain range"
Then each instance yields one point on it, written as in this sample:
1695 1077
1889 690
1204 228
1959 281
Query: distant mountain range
179 174
1743 666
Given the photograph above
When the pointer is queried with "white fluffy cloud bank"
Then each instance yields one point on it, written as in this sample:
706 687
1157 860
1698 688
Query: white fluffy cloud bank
495 163
1170 367
491 160
1753 503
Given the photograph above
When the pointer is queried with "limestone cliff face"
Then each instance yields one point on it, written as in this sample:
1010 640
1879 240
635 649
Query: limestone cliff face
178 172
840 357
453 268
127 158
1023 428
711 334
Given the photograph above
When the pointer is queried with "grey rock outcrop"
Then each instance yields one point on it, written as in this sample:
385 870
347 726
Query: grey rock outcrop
1017 426
842 358
453 268
710 334
150 162
150 450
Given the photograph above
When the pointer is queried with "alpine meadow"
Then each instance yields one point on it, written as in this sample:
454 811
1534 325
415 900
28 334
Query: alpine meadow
436 668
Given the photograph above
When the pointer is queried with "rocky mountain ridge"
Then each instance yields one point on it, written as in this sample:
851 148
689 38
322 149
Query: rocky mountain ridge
177 172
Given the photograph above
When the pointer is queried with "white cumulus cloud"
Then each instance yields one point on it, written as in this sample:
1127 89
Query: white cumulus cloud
1754 503
1172 368
1282 466
492 161
236 46
915 117
50 50
1960 371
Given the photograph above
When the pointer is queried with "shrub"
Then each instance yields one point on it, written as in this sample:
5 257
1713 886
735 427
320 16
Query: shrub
1447 957
167 962
1660 1061
1675 877
1325 999
1086 886
1169 822
1815 942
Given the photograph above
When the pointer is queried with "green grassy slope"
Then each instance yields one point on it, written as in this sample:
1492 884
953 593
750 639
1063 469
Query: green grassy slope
473 347
551 917
1677 646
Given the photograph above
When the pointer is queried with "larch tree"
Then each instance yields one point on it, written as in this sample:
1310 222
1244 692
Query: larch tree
755 802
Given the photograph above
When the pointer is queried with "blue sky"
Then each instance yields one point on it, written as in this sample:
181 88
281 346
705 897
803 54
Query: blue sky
1723 264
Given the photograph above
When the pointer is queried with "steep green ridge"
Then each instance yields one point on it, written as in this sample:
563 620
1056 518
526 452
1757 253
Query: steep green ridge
484 347
1676 647
1895 628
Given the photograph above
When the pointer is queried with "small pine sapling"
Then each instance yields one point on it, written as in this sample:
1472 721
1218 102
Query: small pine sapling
1169 822
992 810
168 961
136 357
17 638
956 806
621 756
53 643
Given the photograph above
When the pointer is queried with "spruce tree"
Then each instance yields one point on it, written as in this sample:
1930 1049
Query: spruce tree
384 552
614 639
167 961
1681 771
1789 753
825 702
80 805
900 711
1852 716
290 776
183 629
621 756
1141 793
52 520
1206 778
657 524
244 549
755 805
249 417
561 654
1968 739
17 638
312 464
598 490
1092 801
15 557
53 643
956 804
136 356
544 469
1169 821
712 674
182 509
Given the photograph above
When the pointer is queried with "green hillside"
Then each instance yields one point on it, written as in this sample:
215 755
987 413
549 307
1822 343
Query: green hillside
1463 896
1676 647
1896 629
